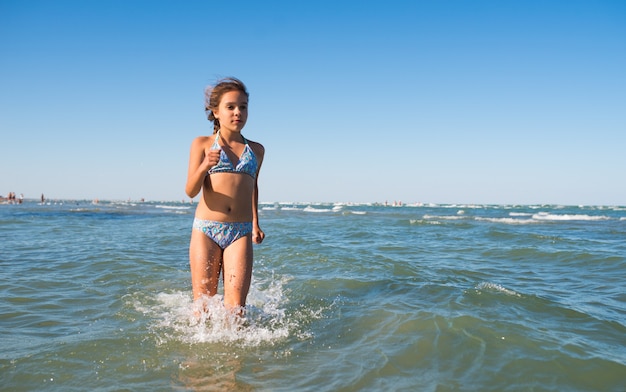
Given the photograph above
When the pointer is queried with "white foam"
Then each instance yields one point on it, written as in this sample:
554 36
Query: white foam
520 214
568 217
421 221
444 217
173 207
510 221
487 286
312 209
175 317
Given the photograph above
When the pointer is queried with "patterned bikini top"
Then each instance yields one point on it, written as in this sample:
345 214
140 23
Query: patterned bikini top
247 161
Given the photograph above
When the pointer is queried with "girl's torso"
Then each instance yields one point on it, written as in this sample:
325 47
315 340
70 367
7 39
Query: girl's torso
228 188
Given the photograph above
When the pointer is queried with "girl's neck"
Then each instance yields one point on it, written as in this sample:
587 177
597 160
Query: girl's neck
230 136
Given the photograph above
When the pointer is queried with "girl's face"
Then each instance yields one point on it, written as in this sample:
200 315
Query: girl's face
232 111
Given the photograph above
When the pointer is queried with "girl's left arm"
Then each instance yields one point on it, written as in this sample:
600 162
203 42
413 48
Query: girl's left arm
257 234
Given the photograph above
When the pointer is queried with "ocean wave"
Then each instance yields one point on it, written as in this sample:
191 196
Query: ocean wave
313 209
423 221
510 221
568 217
494 287
83 209
520 218
444 217
173 207
291 209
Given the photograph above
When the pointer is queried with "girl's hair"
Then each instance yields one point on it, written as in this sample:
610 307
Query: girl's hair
213 96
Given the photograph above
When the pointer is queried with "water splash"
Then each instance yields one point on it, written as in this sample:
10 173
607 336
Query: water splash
177 318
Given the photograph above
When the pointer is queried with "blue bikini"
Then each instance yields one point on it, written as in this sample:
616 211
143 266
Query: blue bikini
247 161
225 233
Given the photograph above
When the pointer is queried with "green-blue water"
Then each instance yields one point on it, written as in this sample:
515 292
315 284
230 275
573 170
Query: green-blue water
344 298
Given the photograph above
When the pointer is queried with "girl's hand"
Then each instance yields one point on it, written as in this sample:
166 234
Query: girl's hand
257 235
211 158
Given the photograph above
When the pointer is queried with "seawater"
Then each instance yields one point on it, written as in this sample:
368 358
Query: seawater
344 298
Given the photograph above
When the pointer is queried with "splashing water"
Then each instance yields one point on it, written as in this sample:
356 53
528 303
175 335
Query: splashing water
176 317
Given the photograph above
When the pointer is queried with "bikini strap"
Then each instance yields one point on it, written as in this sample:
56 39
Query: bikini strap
217 136
216 145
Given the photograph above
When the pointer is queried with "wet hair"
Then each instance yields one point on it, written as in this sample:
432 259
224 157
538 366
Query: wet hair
213 96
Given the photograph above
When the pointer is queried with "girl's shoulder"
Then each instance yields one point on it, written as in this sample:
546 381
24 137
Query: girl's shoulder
256 147
201 141
253 143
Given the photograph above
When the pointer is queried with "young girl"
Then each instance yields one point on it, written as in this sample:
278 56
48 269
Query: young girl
225 167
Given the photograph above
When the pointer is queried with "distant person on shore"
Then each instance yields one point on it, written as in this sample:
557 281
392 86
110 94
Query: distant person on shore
225 167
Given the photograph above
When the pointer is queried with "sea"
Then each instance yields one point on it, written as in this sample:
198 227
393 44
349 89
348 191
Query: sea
344 297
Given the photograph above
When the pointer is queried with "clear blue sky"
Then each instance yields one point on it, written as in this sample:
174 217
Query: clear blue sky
502 102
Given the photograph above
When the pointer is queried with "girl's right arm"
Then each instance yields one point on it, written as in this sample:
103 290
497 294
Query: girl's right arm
201 159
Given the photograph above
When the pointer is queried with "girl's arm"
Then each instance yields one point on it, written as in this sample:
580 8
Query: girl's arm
201 159
257 234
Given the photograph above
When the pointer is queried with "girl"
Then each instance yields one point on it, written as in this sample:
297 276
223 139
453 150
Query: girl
225 167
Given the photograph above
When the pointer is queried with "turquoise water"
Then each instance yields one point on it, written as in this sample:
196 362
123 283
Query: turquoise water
344 298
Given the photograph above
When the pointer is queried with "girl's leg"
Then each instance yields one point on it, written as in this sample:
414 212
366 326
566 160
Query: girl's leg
205 261
237 272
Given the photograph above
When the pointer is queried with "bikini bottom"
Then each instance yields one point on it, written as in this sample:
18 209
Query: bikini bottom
223 233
